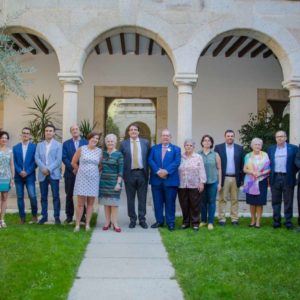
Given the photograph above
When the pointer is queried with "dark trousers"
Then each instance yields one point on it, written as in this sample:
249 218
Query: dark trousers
281 190
189 200
136 184
298 198
69 189
164 197
44 185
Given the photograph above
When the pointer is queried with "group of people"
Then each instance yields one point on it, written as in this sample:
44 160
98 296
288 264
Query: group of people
197 178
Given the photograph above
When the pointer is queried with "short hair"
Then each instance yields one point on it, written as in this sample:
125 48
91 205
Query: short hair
26 128
111 136
135 125
256 141
210 138
2 133
189 141
92 134
280 130
50 126
74 126
166 129
229 131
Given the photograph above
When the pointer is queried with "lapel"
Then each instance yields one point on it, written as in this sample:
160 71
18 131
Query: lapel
27 153
20 150
72 146
224 154
167 152
288 151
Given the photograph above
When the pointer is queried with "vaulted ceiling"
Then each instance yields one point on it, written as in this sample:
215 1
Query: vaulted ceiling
134 43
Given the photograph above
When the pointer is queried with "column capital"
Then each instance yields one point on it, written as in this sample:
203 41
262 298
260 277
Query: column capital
294 83
185 79
74 78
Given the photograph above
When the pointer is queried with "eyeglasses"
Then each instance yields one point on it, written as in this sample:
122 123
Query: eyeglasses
280 136
25 133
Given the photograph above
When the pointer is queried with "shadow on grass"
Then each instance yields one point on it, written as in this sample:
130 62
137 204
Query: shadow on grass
236 262
39 261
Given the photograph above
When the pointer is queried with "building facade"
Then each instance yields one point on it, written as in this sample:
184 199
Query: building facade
206 63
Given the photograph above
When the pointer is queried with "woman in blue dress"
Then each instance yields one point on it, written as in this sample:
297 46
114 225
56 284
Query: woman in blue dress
6 173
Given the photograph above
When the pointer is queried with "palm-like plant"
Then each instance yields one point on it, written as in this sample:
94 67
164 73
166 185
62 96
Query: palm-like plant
86 127
43 115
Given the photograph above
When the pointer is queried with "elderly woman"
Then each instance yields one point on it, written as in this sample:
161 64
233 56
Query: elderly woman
212 164
6 173
192 179
85 163
111 182
257 169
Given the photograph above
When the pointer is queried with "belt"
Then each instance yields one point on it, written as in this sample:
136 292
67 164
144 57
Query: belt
136 170
280 173
230 175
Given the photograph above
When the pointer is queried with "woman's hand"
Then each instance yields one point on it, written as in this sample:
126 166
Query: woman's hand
219 187
117 187
201 187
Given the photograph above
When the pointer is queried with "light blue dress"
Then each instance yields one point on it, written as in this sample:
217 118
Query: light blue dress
5 174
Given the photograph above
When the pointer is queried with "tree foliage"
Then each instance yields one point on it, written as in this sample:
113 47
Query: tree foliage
264 126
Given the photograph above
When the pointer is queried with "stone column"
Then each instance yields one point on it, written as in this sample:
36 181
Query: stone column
70 84
184 83
294 88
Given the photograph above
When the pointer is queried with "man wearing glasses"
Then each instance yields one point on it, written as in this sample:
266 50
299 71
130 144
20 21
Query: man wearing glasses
25 174
282 178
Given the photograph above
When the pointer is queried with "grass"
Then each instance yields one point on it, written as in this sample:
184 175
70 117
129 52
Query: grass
39 261
236 262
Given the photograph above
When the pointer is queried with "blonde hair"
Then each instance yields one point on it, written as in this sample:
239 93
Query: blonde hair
111 136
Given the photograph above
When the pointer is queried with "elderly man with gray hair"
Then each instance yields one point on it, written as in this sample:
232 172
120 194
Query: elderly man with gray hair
192 178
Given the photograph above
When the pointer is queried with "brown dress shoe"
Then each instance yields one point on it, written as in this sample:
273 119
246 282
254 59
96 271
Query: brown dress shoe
34 220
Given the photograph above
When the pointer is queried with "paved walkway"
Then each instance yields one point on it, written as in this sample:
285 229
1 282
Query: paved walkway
129 265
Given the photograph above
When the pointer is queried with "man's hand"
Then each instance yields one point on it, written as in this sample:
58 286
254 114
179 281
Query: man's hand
46 172
162 173
23 174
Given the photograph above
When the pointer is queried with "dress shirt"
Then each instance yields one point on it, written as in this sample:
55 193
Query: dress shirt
48 146
140 158
191 171
24 150
280 159
76 143
230 167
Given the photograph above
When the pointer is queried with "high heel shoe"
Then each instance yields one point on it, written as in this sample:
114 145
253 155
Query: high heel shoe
87 228
116 228
77 228
106 227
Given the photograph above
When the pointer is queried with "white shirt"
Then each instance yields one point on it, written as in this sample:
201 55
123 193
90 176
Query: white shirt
140 159
230 167
76 143
24 150
280 159
48 146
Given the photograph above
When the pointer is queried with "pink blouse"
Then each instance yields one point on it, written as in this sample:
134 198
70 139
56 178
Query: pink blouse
191 171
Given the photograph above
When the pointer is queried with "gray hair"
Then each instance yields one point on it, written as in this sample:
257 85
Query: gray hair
256 141
189 141
111 136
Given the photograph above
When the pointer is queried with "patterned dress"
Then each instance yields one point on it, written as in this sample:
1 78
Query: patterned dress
87 178
112 167
5 174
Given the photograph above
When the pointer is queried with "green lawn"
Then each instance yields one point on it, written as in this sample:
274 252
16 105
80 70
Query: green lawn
39 261
236 262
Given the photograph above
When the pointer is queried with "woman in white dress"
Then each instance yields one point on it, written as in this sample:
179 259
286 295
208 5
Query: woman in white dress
85 162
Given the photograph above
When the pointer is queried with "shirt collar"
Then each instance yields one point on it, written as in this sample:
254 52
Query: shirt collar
137 140
284 146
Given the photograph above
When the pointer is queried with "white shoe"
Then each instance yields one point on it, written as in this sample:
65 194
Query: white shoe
210 227
202 224
2 224
87 228
77 228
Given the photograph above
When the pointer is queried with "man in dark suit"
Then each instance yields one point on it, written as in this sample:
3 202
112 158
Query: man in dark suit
164 161
297 162
69 148
25 174
282 178
232 156
135 151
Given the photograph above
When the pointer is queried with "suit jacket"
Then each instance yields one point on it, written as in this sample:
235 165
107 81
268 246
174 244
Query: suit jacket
291 168
54 159
238 161
126 151
171 163
68 152
297 162
28 165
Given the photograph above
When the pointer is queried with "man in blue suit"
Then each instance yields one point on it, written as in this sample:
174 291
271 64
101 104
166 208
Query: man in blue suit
48 157
69 148
232 161
135 151
25 174
282 178
297 162
164 161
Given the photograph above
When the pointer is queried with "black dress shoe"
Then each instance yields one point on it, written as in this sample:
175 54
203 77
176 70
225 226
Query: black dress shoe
132 224
196 228
57 222
276 226
289 227
171 227
157 225
143 225
68 220
42 221
185 226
